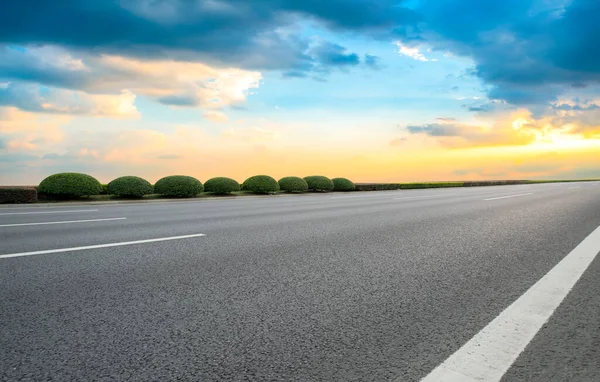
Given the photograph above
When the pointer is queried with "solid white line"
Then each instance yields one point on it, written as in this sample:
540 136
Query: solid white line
61 222
21 254
423 197
509 196
46 212
491 352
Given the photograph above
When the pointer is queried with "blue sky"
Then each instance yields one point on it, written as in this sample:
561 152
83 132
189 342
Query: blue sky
385 90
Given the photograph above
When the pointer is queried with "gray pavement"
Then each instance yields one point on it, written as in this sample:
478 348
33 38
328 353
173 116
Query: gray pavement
338 287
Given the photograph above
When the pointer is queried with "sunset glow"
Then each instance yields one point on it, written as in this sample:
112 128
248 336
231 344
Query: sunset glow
299 90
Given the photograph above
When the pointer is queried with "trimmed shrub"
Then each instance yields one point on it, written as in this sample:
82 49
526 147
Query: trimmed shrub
18 195
70 185
260 184
293 184
319 183
130 186
221 185
104 189
343 184
179 186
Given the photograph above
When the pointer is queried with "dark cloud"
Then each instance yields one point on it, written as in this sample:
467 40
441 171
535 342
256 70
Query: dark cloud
295 74
478 108
176 100
250 34
333 55
436 129
529 52
373 62
567 107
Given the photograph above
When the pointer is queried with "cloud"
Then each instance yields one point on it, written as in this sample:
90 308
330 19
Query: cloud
36 98
478 108
54 80
453 134
412 52
333 55
528 52
215 116
372 62
575 107
249 34
295 74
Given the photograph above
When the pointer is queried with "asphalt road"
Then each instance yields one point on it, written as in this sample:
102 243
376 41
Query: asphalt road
323 287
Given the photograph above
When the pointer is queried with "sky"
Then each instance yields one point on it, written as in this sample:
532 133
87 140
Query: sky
372 90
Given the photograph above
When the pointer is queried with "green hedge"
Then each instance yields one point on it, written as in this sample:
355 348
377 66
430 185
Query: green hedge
293 184
130 186
377 186
70 185
18 195
493 183
104 189
221 185
319 183
410 186
179 186
260 184
343 184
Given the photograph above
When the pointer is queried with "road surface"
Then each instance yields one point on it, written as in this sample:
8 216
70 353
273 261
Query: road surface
377 286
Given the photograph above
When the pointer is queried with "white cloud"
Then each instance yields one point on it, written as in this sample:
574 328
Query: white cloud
412 52
77 80
176 83
34 98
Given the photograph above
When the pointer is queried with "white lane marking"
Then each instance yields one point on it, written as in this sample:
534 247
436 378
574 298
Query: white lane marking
61 222
423 197
46 212
509 196
491 352
570 188
44 207
124 243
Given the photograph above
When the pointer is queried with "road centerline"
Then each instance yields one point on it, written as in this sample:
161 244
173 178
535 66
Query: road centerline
61 222
98 246
508 196
45 212
492 351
